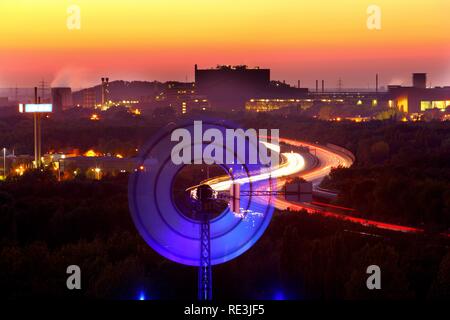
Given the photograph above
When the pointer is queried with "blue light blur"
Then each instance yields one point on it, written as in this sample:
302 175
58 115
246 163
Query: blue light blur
141 296
169 232
279 296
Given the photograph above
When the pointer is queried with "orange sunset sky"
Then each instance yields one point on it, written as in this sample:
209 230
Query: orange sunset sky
163 39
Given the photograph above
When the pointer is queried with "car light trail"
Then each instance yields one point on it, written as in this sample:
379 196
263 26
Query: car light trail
293 163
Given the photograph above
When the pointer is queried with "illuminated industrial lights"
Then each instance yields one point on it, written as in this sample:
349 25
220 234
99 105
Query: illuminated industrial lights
428 105
94 117
97 173
20 170
91 153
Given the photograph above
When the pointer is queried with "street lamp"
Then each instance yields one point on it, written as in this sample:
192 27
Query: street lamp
37 109
61 166
4 163
97 173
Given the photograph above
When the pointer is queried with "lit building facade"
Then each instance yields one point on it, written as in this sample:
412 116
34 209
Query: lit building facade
418 98
268 105
183 98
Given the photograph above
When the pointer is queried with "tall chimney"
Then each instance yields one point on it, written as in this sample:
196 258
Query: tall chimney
317 85
376 83
323 86
420 80
103 91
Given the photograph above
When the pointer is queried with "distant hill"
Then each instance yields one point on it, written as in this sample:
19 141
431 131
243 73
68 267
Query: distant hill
124 90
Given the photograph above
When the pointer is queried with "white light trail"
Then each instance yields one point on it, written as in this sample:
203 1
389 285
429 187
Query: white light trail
293 163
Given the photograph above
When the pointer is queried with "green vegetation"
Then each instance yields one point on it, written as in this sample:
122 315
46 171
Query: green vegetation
46 226
401 175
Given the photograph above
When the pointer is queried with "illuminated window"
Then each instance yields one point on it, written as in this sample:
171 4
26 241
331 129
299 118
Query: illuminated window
427 105
402 104
438 104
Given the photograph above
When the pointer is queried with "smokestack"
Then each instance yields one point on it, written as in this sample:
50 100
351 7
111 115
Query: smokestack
323 86
103 91
420 80
376 83
317 85
298 84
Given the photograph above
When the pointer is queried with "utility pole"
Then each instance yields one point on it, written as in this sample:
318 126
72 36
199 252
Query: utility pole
376 83
16 94
37 133
4 163
43 86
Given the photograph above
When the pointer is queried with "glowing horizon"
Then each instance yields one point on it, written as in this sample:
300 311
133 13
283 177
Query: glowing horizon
162 40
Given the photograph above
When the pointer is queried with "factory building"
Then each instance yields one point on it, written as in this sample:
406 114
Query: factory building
310 99
61 99
418 98
98 165
268 105
413 100
229 87
183 98
89 99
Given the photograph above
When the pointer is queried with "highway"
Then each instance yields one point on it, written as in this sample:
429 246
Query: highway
292 165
